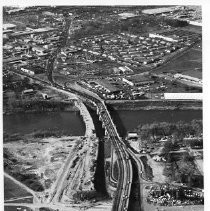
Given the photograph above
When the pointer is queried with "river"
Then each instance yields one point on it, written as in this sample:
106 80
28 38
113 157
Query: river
129 120
70 122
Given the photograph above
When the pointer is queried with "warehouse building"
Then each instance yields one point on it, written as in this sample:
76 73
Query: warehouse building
40 51
33 70
138 80
126 15
192 75
170 38
9 26
161 10
104 85
183 96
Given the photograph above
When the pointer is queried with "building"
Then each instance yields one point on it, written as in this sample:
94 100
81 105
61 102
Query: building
138 80
40 51
8 31
125 69
105 86
193 142
132 135
195 23
33 70
47 13
12 59
190 76
127 82
170 38
161 10
126 15
183 96
28 92
9 26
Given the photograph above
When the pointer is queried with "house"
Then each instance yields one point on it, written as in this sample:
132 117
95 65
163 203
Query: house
158 158
40 51
132 135
9 26
32 70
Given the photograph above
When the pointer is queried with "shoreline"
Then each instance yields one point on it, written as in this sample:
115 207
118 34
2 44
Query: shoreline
152 108
156 105
39 111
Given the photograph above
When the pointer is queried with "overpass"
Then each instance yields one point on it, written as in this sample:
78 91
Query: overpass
125 177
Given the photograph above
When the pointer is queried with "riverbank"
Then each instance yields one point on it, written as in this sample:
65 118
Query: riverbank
40 106
155 105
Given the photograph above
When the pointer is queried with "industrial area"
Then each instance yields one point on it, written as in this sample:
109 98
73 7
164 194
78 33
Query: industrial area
67 71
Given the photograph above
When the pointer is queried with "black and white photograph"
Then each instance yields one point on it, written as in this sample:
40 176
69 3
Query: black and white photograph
102 107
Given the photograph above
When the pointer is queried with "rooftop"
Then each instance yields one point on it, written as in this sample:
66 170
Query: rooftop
8 26
139 78
107 85
127 15
159 10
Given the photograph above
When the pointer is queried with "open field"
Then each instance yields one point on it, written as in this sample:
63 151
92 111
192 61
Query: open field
38 161
189 61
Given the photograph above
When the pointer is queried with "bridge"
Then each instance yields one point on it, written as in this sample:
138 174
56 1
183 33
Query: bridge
125 177
125 156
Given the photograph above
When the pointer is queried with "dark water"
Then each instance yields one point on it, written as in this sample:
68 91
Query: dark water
70 123
129 120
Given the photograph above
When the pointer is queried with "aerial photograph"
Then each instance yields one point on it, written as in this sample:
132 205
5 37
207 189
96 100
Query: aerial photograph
102 108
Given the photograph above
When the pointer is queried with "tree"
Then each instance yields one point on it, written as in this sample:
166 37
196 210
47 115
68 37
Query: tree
197 127
168 146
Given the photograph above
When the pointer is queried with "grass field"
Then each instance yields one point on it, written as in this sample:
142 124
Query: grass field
12 190
189 61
